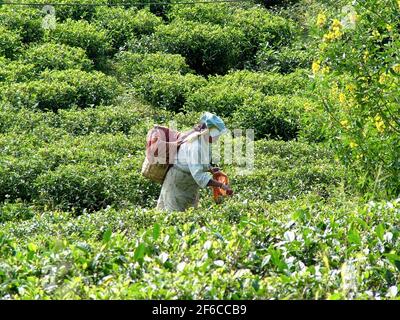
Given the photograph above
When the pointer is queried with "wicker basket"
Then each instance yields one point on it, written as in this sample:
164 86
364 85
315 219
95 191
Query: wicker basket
155 172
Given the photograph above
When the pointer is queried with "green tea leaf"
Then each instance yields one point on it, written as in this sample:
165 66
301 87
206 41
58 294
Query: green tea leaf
380 230
107 235
156 231
139 252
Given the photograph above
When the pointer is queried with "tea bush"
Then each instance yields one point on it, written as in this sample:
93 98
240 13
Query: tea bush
62 89
121 24
16 212
130 66
167 90
258 25
10 42
77 12
57 56
273 252
220 13
15 71
203 45
82 34
224 94
76 215
93 88
284 60
271 116
25 20
157 7
220 98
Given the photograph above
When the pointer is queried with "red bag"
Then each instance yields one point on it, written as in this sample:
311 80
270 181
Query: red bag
219 193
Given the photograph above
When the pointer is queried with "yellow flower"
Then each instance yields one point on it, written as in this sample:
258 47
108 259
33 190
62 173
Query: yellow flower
376 34
366 55
336 24
335 31
389 27
379 124
325 70
342 97
321 19
382 78
353 144
307 106
316 65
396 68
344 123
334 90
351 87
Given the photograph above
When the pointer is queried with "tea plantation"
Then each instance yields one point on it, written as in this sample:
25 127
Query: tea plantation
317 218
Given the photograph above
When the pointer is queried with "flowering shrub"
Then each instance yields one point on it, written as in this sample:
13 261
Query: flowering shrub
359 70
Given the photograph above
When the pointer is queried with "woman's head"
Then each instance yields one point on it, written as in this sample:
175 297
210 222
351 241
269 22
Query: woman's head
214 124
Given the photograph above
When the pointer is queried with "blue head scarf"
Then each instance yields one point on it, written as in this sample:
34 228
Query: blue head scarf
212 121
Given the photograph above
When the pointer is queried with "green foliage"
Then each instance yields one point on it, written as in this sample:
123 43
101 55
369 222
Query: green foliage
284 60
91 187
203 45
62 89
122 25
10 42
15 212
225 94
25 20
249 253
157 7
129 66
15 71
167 90
76 215
82 34
77 12
220 13
57 56
222 98
275 117
258 26
361 94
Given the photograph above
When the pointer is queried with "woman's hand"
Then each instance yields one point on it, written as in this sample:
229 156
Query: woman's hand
228 189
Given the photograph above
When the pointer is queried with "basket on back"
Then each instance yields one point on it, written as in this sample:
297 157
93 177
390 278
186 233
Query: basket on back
162 144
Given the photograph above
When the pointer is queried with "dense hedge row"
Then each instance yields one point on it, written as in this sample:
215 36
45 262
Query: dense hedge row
25 20
89 172
130 66
122 25
15 71
10 42
62 89
57 56
67 161
82 34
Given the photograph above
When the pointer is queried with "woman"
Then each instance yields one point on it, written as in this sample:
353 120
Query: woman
192 169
